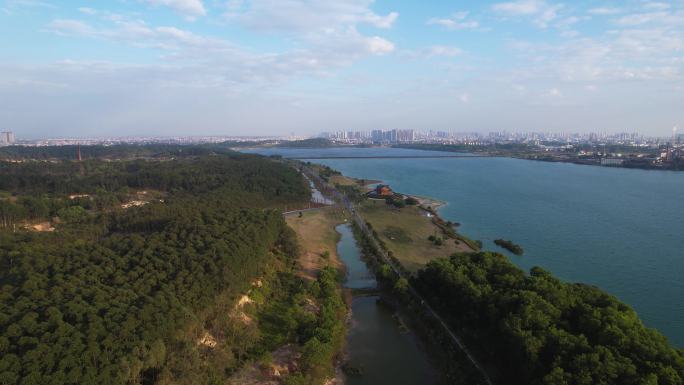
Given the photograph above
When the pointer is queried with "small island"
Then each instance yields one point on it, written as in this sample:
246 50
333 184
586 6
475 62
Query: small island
510 246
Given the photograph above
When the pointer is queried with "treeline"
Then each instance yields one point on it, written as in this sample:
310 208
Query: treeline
118 151
510 246
306 143
195 174
121 151
536 329
39 190
101 301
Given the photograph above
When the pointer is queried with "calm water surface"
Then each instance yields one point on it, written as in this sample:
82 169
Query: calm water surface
375 343
619 229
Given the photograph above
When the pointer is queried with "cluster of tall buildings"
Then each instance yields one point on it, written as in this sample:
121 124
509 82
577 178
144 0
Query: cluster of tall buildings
495 137
6 138
375 136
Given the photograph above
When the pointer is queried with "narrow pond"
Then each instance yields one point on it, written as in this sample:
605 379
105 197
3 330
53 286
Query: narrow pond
376 343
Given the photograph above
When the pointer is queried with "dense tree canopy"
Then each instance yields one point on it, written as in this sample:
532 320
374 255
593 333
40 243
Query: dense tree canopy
538 330
119 151
99 300
33 190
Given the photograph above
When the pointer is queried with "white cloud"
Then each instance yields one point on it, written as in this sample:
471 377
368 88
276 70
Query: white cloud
570 33
521 7
660 18
441 50
656 5
88 11
604 11
638 52
569 21
379 46
218 62
328 28
457 21
303 15
621 55
554 93
70 27
541 12
179 35
191 9
28 3
381 21
432 52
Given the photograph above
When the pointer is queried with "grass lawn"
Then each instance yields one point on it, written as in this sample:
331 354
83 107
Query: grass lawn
343 180
405 232
316 234
348 181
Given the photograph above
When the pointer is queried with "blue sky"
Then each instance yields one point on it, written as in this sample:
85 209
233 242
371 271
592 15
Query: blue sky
263 67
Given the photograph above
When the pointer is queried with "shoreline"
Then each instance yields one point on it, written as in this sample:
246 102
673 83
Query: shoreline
431 206
533 156
507 262
425 341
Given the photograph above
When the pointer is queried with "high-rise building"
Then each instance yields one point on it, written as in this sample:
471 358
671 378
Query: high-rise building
405 135
6 138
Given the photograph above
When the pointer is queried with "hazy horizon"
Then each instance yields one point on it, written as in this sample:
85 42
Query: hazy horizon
276 67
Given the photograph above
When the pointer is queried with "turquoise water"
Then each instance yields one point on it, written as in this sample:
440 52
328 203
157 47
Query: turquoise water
375 343
618 229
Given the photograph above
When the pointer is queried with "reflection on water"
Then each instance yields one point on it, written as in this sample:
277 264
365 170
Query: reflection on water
376 344
358 276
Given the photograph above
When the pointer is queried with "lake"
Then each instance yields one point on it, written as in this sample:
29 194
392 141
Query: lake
619 229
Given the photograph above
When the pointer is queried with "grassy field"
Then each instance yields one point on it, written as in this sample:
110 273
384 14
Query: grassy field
405 232
316 234
348 181
343 180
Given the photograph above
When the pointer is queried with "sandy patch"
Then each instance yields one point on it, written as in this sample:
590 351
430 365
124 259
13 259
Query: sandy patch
317 237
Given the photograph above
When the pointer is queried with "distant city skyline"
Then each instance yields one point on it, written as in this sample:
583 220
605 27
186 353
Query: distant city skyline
377 136
273 68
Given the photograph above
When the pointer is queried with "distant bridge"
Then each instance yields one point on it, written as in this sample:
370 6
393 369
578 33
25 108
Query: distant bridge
390 157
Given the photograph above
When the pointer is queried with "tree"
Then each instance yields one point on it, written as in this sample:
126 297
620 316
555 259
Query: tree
541 330
73 214
401 286
411 201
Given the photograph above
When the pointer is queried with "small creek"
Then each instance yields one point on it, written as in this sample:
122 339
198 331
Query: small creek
376 343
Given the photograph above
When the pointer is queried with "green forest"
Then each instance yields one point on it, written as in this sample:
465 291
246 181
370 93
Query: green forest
117 293
535 329
120 151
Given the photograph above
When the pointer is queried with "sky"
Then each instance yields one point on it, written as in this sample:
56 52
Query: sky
276 67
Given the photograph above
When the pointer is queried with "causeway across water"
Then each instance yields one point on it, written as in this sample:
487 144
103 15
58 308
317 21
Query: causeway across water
392 157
